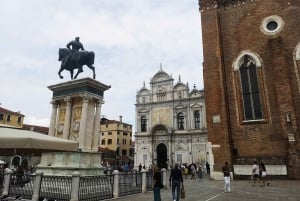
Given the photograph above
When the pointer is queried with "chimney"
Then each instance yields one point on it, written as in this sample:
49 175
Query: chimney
120 119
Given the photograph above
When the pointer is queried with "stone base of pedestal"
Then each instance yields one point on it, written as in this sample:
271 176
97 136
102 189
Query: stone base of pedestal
65 163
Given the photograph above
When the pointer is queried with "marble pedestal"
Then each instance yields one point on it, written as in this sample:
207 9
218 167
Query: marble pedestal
65 163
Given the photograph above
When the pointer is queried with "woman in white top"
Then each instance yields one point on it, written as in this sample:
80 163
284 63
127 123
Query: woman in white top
255 172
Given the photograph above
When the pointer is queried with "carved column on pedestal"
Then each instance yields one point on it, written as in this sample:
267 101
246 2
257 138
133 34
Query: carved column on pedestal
83 122
96 130
53 118
67 122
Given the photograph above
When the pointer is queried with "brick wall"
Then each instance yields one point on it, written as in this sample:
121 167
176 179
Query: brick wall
226 33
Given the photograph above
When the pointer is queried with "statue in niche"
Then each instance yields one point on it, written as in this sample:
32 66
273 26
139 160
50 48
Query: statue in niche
75 57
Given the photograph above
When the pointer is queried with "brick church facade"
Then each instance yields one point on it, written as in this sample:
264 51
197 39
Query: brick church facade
252 83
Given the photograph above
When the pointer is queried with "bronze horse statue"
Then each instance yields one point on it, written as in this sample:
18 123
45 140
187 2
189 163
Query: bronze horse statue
72 59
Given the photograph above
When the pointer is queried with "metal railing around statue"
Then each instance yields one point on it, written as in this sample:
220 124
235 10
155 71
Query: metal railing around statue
94 188
56 188
149 180
130 183
21 184
76 187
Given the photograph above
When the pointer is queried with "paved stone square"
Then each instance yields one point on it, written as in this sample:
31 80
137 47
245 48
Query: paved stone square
208 190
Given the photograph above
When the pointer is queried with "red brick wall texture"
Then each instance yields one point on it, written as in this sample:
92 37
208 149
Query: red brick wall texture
229 28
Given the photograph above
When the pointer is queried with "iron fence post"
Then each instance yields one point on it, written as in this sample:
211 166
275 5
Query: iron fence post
165 179
75 186
144 183
7 175
37 186
116 184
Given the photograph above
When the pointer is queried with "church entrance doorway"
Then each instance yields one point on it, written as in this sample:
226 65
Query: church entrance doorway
161 153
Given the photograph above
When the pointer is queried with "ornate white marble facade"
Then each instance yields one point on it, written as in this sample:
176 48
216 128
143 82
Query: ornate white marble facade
170 123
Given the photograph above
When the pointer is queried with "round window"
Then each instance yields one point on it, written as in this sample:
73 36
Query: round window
272 25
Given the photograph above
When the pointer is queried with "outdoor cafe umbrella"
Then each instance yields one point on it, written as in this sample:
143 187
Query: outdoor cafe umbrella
11 138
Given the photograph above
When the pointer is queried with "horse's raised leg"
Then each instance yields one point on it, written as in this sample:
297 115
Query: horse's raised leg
79 71
60 70
93 69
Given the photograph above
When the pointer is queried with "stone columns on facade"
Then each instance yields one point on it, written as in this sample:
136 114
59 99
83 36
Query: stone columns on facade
83 122
96 137
67 122
53 118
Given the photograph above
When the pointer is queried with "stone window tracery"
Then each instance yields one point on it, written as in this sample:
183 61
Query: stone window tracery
179 94
252 108
197 119
180 121
143 124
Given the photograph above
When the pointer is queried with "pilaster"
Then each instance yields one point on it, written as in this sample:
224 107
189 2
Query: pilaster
96 137
67 122
83 122
53 118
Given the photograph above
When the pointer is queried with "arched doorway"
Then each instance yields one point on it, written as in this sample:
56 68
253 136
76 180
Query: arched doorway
162 155
15 161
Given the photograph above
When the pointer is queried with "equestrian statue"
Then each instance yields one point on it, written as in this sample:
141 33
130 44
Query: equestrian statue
75 57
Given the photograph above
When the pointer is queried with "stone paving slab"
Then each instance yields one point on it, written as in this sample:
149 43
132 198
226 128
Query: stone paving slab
208 190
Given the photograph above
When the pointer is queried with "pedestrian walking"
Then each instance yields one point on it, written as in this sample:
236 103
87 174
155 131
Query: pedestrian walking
176 181
199 172
193 172
157 183
255 172
263 174
207 168
226 173
186 171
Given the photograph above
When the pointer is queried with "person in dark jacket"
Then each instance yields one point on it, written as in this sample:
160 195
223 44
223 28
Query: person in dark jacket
157 183
176 180
226 172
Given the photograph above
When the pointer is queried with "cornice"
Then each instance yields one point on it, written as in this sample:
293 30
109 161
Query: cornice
218 4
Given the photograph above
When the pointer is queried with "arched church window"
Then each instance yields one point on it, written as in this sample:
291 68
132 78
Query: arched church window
197 119
180 121
252 108
143 124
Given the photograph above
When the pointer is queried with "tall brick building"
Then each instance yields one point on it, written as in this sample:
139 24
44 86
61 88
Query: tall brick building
252 83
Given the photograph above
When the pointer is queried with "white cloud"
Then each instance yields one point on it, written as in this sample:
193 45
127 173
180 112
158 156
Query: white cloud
31 120
130 39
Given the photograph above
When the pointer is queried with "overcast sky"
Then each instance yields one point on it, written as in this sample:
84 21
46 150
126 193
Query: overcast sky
129 37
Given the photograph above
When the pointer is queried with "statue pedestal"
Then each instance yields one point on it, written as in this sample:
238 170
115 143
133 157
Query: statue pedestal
65 163
76 111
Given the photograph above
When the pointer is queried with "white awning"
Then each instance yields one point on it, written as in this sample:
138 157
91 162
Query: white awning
11 138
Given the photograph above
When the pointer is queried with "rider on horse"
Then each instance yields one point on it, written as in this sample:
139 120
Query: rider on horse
72 58
75 46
